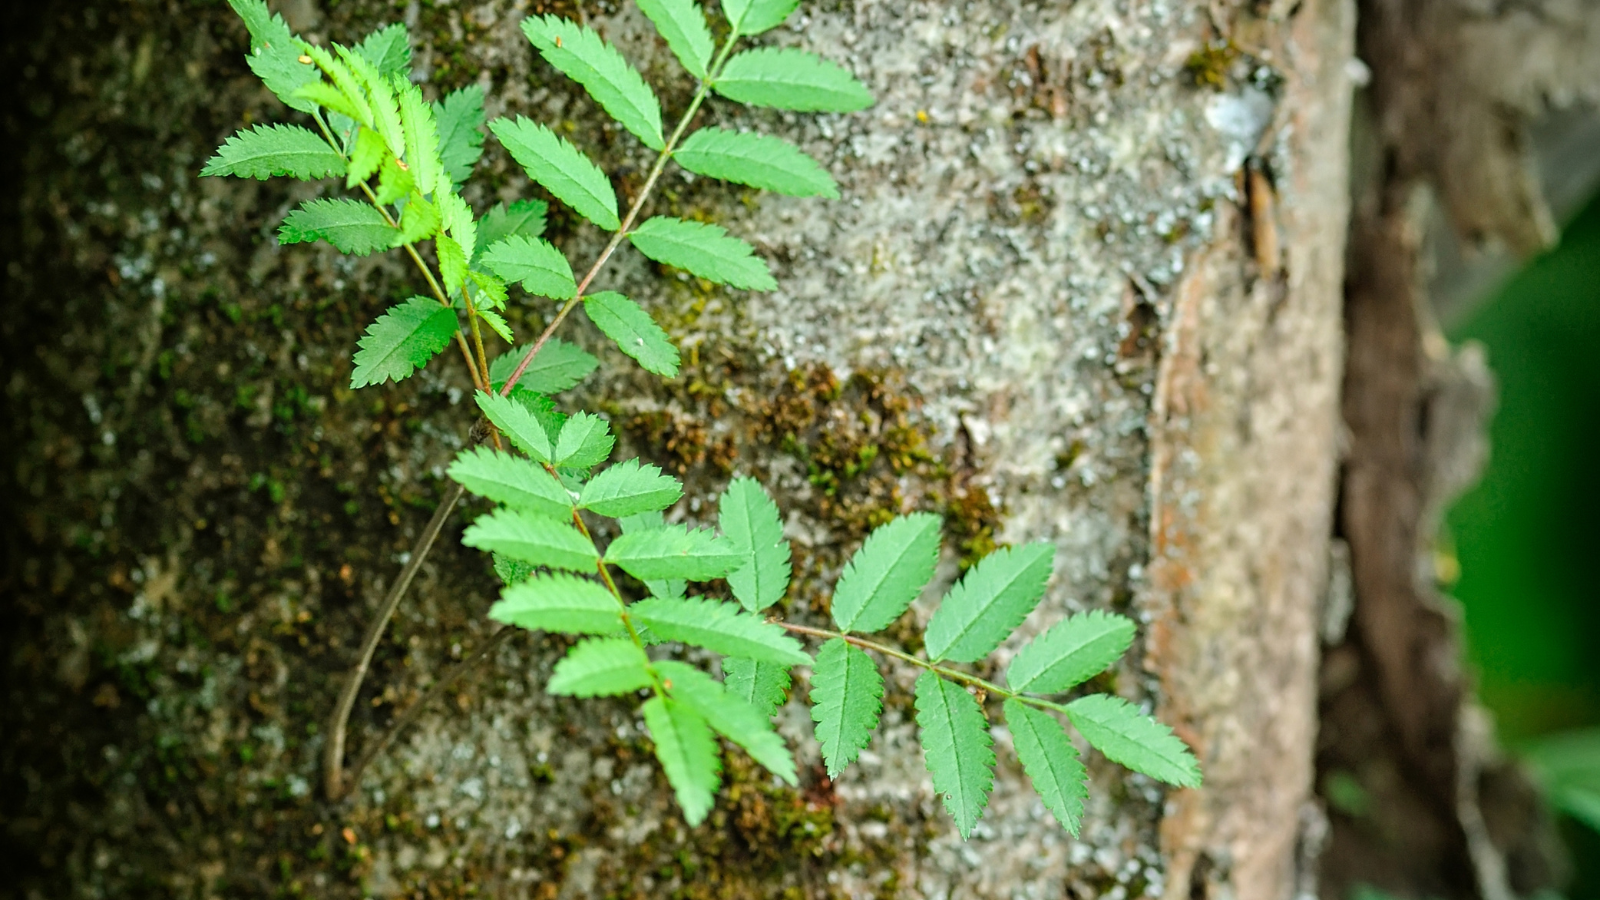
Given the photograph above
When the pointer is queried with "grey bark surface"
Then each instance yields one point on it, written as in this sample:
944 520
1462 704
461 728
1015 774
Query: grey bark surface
1083 285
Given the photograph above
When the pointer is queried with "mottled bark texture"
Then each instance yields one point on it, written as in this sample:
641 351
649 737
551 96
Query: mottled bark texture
1084 285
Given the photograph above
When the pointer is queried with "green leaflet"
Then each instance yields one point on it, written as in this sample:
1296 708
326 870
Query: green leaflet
402 340
719 627
1051 762
628 488
688 754
672 551
989 602
585 442
749 518
764 15
394 182
791 79
683 26
517 423
274 55
349 87
703 250
758 160
846 697
559 602
497 322
452 262
1074 650
456 217
562 168
1116 728
886 574
635 332
557 367
731 716
539 266
586 58
320 93
366 158
761 684
956 745
267 150
355 228
516 482
388 49
421 135
460 119
523 218
421 219
670 588
534 539
380 99
601 667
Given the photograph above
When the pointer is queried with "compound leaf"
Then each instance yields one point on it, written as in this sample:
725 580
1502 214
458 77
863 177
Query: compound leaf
518 423
562 168
559 602
388 50
956 745
523 218
719 627
761 684
535 262
791 79
688 754
704 250
534 539
267 150
1051 762
758 160
989 602
460 118
518 483
352 227
731 716
601 667
556 367
750 520
1116 728
886 574
846 697
1071 652
635 332
585 442
683 26
402 340
672 551
587 59
629 488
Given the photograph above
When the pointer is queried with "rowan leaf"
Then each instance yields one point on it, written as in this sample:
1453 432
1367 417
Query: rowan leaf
628 488
516 422
459 115
758 160
354 228
731 716
956 745
765 15
523 218
670 588
1071 652
388 49
688 754
704 250
274 53
886 574
267 150
456 216
600 667
562 168
846 697
1051 762
402 341
761 684
682 24
535 262
672 551
421 135
556 367
750 520
586 58
719 627
635 332
784 78
1116 728
585 442
518 483
452 262
559 602
989 602
530 538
